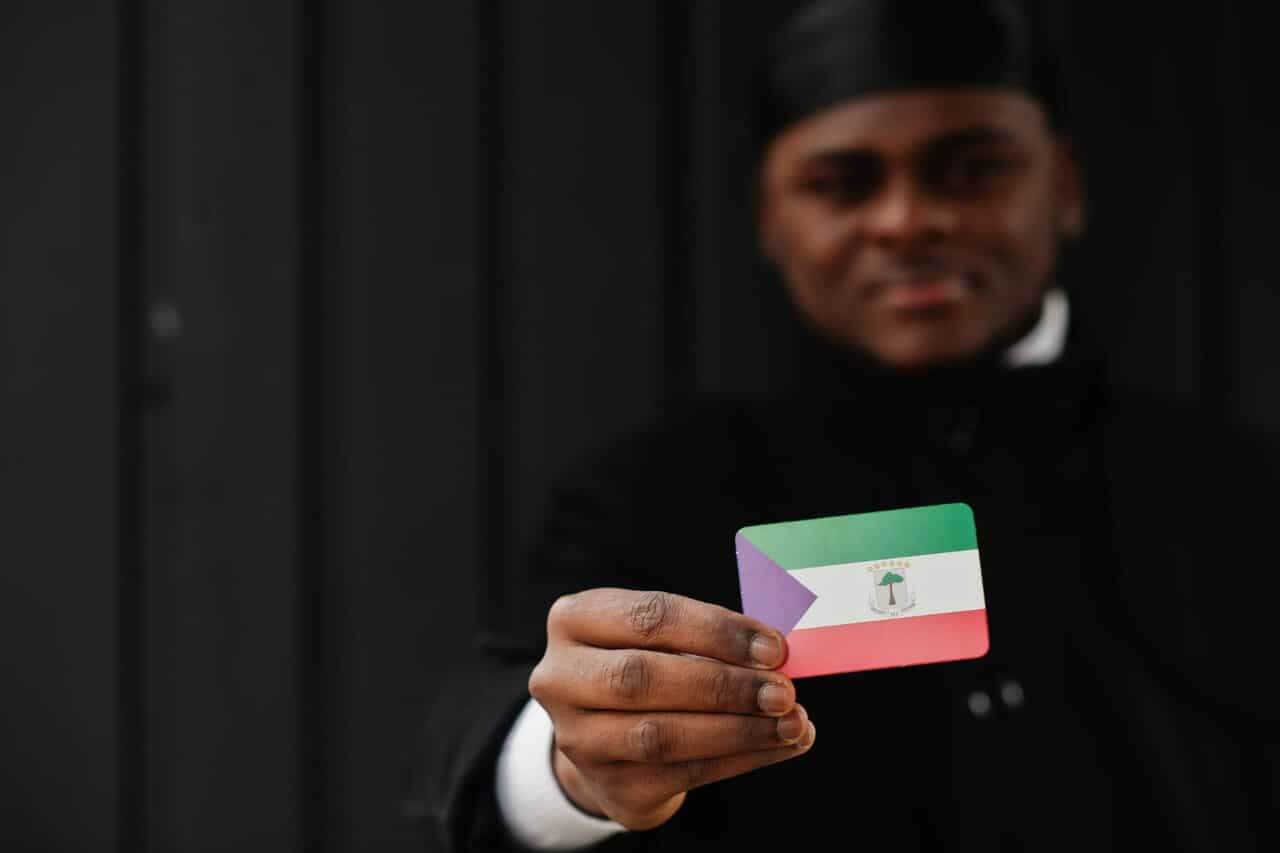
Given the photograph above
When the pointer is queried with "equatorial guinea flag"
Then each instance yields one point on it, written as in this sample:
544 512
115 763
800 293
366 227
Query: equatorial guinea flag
867 591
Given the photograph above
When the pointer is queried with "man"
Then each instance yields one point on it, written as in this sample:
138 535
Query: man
914 192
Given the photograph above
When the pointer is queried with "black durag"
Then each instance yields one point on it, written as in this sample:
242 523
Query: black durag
839 49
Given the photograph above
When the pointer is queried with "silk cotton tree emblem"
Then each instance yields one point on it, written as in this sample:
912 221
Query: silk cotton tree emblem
891 595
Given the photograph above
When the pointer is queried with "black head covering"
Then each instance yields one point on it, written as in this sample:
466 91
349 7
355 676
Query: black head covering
839 49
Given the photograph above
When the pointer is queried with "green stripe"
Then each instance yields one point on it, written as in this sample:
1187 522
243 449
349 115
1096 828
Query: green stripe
866 536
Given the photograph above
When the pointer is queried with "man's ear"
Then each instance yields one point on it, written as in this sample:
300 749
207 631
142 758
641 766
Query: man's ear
1069 189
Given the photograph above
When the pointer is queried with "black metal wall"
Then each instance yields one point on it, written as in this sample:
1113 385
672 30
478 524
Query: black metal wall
303 303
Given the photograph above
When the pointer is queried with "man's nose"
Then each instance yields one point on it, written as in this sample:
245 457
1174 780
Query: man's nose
904 213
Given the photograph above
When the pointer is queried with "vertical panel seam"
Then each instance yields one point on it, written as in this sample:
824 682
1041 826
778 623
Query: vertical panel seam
1211 174
131 575
675 73
313 293
495 410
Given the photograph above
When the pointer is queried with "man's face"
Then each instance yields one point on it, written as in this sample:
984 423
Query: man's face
919 227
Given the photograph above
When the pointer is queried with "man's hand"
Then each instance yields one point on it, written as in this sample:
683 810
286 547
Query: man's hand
653 694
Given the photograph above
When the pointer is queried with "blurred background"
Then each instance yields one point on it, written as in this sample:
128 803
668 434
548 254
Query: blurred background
302 304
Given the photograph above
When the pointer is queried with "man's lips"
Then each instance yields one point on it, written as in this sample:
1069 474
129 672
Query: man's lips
927 292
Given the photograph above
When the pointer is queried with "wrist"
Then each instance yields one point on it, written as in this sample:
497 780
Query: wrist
575 788
534 806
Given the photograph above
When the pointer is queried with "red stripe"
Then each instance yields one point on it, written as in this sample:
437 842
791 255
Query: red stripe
904 641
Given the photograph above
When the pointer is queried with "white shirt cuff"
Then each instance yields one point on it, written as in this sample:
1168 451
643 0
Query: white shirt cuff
537 812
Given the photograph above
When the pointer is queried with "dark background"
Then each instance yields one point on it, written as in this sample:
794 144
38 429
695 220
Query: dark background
303 303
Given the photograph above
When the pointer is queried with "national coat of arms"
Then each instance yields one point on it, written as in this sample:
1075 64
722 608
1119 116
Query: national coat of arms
891 594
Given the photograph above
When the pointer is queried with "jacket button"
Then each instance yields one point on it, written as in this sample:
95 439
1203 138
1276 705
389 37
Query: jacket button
1012 695
979 704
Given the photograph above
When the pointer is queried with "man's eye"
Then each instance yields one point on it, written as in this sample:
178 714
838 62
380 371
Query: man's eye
973 172
840 188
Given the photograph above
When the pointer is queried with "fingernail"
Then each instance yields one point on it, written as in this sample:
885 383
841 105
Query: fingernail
766 650
809 738
773 698
792 726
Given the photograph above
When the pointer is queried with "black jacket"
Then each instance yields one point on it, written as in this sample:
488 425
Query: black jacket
1129 554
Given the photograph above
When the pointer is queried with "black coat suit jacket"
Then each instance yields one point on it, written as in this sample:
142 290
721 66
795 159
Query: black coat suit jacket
1129 554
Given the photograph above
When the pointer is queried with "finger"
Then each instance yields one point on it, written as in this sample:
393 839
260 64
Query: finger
649 784
687 775
638 680
669 738
663 621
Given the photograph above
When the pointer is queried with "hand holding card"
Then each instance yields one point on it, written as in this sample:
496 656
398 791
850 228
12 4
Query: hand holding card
652 694
869 591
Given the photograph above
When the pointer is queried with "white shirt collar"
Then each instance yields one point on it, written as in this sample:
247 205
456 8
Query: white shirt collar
1047 339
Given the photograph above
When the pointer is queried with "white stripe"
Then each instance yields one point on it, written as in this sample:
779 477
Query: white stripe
940 583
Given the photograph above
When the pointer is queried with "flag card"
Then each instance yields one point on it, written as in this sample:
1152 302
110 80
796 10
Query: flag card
878 589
